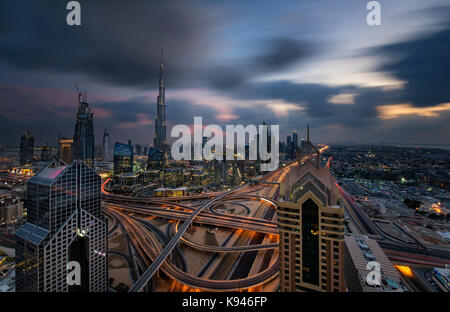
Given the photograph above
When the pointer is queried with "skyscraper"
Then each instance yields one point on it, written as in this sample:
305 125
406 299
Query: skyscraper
106 144
123 158
46 152
64 224
65 149
289 147
295 140
83 148
26 149
159 141
138 150
311 225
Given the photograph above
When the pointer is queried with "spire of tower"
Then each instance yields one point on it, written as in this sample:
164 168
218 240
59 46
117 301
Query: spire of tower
161 64
307 133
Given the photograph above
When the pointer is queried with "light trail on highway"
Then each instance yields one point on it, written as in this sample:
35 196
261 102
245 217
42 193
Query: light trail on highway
241 192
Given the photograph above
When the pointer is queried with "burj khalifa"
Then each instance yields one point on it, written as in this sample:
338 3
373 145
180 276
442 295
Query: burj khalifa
159 142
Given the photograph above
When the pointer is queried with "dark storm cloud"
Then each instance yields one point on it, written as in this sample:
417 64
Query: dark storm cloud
273 55
281 52
115 43
423 63
314 101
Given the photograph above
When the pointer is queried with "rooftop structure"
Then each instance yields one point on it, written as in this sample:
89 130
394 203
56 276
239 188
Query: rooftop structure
359 251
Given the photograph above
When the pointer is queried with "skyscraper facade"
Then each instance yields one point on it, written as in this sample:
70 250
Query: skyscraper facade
289 147
26 149
295 140
123 158
138 150
83 139
46 153
65 149
106 147
64 224
159 141
311 225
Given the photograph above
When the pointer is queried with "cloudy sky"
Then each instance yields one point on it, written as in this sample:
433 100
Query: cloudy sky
231 62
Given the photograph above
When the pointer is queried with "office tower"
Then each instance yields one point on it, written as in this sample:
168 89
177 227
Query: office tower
65 149
64 224
289 147
138 150
145 150
106 147
26 149
83 139
289 141
311 226
359 250
295 140
160 121
155 159
173 177
123 158
46 153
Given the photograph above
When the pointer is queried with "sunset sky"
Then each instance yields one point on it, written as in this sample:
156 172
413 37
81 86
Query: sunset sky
231 62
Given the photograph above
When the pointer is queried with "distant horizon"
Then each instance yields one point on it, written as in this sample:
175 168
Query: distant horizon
385 144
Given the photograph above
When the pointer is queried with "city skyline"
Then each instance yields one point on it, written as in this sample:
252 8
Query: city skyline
232 72
256 147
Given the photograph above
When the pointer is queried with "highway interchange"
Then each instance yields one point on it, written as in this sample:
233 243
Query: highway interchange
256 234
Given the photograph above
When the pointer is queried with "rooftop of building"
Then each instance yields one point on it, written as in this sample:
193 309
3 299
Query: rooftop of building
127 175
50 173
364 250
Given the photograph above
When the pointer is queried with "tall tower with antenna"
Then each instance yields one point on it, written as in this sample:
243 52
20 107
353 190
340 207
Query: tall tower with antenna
159 140
83 139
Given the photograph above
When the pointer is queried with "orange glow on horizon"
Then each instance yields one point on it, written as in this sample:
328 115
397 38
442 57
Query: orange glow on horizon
399 110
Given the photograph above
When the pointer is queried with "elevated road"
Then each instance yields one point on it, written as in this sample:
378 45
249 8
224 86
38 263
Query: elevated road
218 219
151 270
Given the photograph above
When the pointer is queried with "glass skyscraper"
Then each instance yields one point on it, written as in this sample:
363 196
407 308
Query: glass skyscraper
105 148
159 141
123 158
26 149
83 139
64 224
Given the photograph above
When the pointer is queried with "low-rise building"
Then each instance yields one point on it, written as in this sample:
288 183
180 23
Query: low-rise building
359 251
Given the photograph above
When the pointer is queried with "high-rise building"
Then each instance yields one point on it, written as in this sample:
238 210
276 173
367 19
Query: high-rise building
106 147
295 140
64 224
83 139
359 251
289 140
289 147
160 121
46 153
123 158
155 159
26 149
65 149
138 150
311 226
